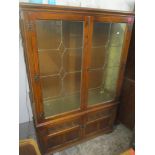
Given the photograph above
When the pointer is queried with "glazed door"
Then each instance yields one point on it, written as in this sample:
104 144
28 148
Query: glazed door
59 43
78 61
106 60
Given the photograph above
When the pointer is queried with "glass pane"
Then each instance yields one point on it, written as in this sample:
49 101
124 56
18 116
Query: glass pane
60 45
48 91
105 61
72 34
61 104
100 34
49 62
48 34
98 56
72 82
72 60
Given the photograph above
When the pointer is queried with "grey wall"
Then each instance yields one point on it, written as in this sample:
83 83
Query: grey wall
25 112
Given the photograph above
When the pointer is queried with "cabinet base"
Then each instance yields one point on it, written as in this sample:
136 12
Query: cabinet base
59 135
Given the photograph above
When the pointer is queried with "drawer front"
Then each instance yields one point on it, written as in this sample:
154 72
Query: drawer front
99 121
97 125
61 126
98 114
62 138
60 134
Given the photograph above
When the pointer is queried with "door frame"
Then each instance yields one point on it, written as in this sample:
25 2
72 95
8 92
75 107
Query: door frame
37 89
128 20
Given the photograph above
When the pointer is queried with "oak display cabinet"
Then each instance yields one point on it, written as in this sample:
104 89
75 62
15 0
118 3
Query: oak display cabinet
75 60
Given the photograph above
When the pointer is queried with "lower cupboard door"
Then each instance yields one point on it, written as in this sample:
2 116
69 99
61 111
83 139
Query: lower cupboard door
97 126
62 138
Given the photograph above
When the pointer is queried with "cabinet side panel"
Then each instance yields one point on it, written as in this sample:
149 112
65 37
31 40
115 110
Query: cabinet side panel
23 37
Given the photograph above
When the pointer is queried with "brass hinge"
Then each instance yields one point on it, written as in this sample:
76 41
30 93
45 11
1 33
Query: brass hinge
30 26
36 77
41 115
